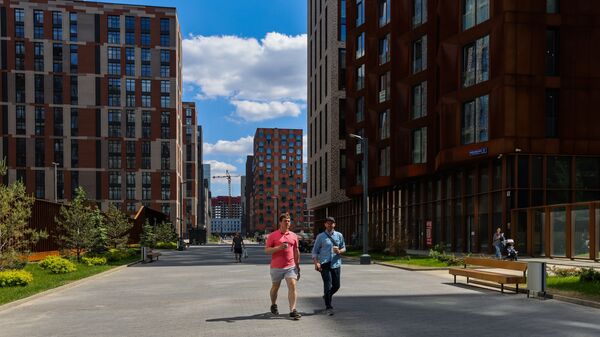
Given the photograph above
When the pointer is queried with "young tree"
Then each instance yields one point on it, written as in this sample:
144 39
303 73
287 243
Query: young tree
77 224
15 210
165 232
148 236
116 226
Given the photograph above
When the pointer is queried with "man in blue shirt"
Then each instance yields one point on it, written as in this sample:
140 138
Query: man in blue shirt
326 252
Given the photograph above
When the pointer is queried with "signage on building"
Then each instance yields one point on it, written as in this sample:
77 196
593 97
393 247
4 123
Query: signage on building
428 230
478 152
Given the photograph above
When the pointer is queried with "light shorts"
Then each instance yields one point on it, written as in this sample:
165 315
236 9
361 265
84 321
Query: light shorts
278 274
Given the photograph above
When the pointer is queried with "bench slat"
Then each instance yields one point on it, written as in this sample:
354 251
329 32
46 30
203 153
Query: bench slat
512 265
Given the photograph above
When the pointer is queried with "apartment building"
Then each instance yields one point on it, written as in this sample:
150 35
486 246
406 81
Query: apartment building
473 109
277 177
91 95
326 107
227 215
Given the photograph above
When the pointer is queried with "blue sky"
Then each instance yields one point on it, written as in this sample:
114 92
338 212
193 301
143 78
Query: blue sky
244 65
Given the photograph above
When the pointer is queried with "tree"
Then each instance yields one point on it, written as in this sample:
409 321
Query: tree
15 210
77 224
116 226
148 236
165 232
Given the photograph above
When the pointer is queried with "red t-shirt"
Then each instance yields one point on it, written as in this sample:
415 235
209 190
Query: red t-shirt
283 258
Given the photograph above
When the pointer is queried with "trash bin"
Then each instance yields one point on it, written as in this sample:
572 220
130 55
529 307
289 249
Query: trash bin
536 278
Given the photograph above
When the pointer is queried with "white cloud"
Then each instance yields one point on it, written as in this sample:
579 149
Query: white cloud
257 111
272 69
219 185
225 147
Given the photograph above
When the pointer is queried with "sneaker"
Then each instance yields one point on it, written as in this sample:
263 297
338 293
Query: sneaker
329 312
295 315
274 309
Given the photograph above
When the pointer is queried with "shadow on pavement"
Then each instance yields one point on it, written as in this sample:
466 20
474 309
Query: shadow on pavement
267 315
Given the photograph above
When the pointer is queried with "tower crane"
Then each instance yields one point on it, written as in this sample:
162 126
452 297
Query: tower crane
228 177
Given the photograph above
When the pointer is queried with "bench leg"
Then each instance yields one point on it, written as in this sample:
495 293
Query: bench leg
467 279
502 288
454 279
517 290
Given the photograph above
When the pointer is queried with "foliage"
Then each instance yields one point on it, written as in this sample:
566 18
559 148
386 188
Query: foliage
117 226
589 275
564 272
11 278
165 232
397 247
15 211
450 260
148 236
57 265
94 261
77 225
114 255
166 245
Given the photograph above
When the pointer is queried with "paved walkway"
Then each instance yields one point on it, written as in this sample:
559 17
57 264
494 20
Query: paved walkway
201 292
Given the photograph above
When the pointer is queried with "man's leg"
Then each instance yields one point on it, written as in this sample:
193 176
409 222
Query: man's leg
274 290
326 276
335 282
291 285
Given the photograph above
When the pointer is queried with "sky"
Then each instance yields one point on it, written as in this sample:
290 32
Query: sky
244 65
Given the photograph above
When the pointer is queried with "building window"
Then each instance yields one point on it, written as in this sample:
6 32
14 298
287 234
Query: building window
73 26
130 183
360 77
552 109
58 151
114 185
384 12
360 109
165 156
130 92
384 124
57 57
114 154
20 119
20 88
552 52
74 91
130 124
57 26
130 154
165 125
476 65
360 12
419 145
419 55
114 60
146 155
74 182
58 121
165 39
40 152
40 184
74 153
114 91
114 29
74 122
419 12
19 23
130 61
38 56
360 45
146 186
114 123
38 88
146 120
384 49
165 184
74 57
57 89
552 7
19 56
475 120
384 162
40 120
342 32
165 101
21 152
384 87
475 12
342 70
165 63
38 24
419 100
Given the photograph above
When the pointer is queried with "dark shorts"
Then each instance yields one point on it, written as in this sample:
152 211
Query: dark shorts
237 250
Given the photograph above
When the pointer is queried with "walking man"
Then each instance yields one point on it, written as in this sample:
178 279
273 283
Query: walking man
237 246
326 252
282 244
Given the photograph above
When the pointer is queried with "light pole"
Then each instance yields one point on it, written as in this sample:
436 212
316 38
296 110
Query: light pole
365 258
55 164
180 243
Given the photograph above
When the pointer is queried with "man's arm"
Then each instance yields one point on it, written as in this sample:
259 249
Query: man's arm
342 248
315 254
271 250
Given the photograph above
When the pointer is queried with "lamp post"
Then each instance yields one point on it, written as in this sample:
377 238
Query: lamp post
55 164
180 243
365 258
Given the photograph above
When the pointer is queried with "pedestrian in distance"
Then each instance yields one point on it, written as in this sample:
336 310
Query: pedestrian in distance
282 245
498 242
237 246
326 255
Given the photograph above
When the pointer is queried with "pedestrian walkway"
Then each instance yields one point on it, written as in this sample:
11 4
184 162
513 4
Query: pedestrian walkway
202 292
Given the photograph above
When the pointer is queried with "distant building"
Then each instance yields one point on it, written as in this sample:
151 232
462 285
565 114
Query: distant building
248 190
226 226
226 211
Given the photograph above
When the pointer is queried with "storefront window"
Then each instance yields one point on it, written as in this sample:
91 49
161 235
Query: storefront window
539 219
580 220
558 231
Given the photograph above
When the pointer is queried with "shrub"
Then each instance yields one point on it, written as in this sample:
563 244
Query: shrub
564 272
94 261
589 275
11 278
450 260
57 265
166 245
120 254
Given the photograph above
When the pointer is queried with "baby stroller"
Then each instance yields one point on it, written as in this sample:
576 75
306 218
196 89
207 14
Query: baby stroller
511 252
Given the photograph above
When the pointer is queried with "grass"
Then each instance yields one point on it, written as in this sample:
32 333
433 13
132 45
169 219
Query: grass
572 287
412 260
43 280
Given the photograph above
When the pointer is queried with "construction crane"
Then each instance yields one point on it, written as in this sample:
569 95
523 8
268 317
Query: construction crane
228 177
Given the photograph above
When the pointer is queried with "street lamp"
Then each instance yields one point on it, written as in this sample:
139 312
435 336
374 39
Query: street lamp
365 258
180 243
55 182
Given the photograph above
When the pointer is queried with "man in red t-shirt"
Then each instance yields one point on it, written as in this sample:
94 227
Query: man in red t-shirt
282 244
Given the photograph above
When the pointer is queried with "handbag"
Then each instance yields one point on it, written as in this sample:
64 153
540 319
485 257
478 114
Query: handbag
245 253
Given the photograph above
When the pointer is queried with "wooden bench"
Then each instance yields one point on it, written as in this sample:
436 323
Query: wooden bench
493 276
151 255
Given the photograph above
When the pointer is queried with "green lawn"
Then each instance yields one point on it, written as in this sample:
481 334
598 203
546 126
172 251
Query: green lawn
570 286
43 280
413 260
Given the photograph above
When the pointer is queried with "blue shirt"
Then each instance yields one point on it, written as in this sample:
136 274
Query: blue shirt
323 248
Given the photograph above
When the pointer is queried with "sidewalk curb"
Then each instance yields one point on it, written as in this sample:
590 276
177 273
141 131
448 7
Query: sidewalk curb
69 285
574 300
